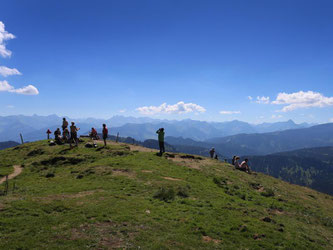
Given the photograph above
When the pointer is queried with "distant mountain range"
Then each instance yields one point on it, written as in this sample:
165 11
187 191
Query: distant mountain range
142 128
8 144
267 143
312 167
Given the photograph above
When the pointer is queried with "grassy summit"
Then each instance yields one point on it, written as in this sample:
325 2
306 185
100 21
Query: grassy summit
126 196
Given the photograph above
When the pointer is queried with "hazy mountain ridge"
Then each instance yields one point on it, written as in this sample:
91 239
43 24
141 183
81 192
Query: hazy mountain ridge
8 144
287 140
141 128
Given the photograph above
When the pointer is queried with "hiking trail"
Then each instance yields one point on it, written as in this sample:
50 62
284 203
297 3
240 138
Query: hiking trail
17 171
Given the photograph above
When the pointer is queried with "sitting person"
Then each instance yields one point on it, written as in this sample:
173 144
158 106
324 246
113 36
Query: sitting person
93 134
245 167
233 160
57 136
236 163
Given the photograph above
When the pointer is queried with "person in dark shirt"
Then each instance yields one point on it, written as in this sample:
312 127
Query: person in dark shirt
161 133
74 130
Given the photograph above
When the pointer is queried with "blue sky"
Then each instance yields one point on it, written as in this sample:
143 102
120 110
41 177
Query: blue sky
203 60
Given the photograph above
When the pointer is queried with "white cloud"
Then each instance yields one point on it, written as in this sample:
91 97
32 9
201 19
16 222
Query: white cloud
250 98
5 86
330 120
10 106
26 90
122 111
4 71
262 99
302 99
4 36
226 112
178 108
276 116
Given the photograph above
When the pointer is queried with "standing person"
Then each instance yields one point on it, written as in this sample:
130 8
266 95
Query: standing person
105 134
212 152
161 133
74 130
64 124
48 132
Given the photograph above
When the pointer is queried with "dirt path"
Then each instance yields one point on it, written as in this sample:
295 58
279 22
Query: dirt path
17 171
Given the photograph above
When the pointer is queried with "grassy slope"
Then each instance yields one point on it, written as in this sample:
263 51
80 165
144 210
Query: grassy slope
104 198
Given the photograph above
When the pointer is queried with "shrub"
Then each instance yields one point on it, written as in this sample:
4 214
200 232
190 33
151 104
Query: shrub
49 175
165 194
268 193
183 192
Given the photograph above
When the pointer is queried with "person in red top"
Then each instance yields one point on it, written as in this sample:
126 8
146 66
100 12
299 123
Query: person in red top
48 132
93 134
105 134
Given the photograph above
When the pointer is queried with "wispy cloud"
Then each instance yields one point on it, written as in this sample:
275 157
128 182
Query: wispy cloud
331 120
10 106
26 90
5 71
227 112
262 99
122 111
4 36
250 98
302 99
178 108
276 116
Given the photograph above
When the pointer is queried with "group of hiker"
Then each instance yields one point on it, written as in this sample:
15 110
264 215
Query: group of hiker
243 166
70 135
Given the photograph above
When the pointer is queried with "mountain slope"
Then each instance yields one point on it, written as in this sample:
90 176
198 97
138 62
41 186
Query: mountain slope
125 196
312 167
267 143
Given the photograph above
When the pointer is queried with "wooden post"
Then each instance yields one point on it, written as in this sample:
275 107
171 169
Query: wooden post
22 142
6 185
117 137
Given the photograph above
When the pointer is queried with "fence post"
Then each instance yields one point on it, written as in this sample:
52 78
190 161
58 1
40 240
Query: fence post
22 142
6 185
117 137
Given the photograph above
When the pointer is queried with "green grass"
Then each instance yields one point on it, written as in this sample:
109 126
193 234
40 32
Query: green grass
117 198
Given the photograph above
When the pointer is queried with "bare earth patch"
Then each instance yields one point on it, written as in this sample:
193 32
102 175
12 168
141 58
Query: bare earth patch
146 171
276 211
172 179
209 239
123 172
